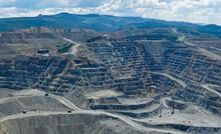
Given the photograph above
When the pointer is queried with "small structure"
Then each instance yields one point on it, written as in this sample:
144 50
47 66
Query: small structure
153 89
46 94
161 109
43 51
173 111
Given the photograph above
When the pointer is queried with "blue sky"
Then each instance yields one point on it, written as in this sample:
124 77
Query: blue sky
197 11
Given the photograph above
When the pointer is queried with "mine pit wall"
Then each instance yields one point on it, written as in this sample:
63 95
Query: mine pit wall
147 114
24 72
176 105
45 73
121 106
190 129
178 60
124 66
192 93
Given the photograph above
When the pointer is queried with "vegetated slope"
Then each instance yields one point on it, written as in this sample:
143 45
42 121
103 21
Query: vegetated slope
70 21
153 23
211 29
90 21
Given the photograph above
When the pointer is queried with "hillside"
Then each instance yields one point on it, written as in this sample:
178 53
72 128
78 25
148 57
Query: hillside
89 21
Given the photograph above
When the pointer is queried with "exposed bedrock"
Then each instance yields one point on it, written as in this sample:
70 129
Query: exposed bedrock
126 73
192 129
176 104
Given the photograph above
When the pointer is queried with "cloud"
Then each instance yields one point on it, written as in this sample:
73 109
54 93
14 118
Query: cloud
33 4
203 11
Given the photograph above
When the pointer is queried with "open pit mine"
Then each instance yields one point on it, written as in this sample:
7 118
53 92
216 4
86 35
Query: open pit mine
135 79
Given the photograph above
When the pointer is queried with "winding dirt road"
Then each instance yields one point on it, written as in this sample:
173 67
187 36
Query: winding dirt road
77 110
74 49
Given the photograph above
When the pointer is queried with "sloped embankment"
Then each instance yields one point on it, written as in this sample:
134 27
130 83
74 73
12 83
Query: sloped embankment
12 105
65 124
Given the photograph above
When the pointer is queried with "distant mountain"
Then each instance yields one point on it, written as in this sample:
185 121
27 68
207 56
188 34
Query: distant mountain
212 28
153 23
95 22
66 20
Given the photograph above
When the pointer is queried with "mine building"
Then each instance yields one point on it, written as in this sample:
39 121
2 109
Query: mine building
43 51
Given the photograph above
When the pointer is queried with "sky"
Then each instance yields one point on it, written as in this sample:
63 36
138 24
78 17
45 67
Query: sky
196 11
